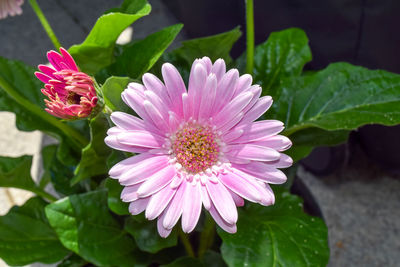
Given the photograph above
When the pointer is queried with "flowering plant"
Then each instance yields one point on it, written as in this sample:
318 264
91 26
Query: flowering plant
147 138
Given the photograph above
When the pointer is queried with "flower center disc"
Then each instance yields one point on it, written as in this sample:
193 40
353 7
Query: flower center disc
195 148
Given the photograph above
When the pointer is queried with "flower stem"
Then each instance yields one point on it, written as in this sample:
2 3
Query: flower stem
45 23
44 194
249 36
78 139
207 235
186 243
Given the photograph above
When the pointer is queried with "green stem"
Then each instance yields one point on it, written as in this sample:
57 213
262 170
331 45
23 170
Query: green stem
207 235
44 194
45 24
78 139
249 36
186 243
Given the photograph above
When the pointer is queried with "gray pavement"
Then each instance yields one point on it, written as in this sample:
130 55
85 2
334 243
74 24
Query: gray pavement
360 203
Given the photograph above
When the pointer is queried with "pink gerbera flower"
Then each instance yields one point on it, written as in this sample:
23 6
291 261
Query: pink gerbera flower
10 7
197 147
71 93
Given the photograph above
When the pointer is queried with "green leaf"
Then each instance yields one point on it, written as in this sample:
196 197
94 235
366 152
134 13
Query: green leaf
340 97
114 197
112 90
57 173
95 154
85 226
146 235
284 54
279 235
96 52
26 236
210 259
304 141
214 47
139 57
73 261
16 172
20 93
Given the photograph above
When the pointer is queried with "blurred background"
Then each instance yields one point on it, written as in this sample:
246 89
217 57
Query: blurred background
354 186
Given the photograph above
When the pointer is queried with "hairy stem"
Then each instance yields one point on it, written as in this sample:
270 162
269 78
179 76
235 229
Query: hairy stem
207 235
186 243
249 36
45 23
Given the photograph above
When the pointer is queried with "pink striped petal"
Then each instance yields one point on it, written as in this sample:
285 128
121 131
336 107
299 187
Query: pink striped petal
191 207
243 84
277 142
219 68
154 84
259 130
138 206
232 109
143 170
262 171
112 142
175 85
140 138
128 163
259 108
225 90
230 228
205 198
197 81
129 193
157 181
174 209
155 116
223 202
253 152
240 186
158 202
208 96
164 233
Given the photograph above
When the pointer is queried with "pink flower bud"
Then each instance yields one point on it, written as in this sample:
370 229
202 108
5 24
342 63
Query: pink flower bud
71 93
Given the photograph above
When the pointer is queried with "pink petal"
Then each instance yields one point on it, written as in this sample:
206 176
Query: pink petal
138 206
239 201
243 84
262 171
197 81
219 68
157 181
225 89
68 59
253 152
129 193
191 207
135 102
158 103
230 228
112 142
174 209
154 84
158 202
164 233
223 202
156 116
175 86
140 138
128 163
240 186
277 142
259 130
205 198
208 96
232 109
143 170
262 105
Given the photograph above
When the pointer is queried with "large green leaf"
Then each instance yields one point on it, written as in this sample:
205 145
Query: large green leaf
114 197
57 173
340 97
26 236
96 52
279 235
146 235
214 47
112 90
20 93
140 56
284 54
85 226
210 259
95 154
16 172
